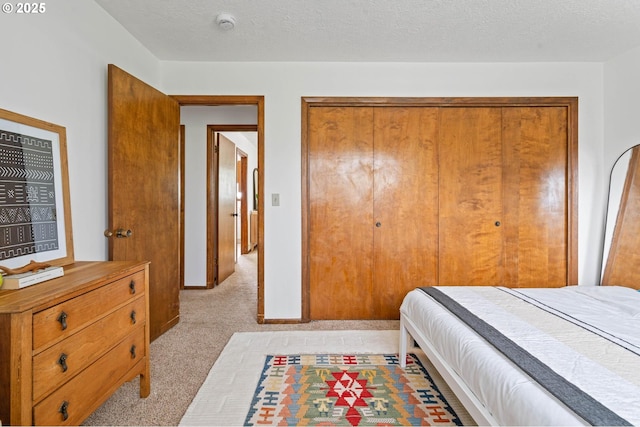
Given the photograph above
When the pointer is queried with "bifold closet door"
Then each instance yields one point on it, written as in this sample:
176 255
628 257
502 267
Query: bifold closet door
373 209
504 196
404 205
536 214
340 212
404 193
471 220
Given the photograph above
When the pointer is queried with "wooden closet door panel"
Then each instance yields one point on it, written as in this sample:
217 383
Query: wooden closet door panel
535 196
340 206
405 204
470 237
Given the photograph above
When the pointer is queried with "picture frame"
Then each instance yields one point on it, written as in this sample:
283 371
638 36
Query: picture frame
35 207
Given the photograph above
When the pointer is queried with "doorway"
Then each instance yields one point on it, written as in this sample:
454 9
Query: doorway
258 128
227 197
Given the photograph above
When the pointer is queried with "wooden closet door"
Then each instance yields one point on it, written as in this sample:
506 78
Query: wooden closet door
340 212
535 162
470 232
405 205
502 210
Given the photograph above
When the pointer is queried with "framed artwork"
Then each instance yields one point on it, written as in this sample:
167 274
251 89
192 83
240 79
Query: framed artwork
35 210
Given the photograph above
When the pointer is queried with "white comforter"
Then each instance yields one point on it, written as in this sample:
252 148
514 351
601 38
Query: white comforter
607 367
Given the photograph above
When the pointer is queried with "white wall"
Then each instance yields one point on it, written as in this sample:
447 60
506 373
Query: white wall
621 118
53 67
283 84
621 102
195 119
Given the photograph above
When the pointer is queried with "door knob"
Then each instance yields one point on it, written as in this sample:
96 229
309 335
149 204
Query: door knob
120 232
234 214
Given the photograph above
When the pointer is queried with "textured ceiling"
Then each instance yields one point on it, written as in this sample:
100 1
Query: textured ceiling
383 30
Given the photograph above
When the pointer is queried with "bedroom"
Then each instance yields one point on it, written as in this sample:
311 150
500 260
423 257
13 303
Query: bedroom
55 69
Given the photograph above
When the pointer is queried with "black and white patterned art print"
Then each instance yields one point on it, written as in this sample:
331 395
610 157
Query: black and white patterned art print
28 219
35 217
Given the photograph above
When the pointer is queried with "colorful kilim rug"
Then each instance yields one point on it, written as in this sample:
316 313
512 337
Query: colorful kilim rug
349 390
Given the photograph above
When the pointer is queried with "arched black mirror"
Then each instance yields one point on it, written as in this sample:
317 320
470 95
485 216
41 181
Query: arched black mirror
621 251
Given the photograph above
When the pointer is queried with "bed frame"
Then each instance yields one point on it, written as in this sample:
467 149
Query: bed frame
476 409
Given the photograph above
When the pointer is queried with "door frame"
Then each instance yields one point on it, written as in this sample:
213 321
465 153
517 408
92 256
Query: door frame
243 169
182 187
258 101
212 197
570 103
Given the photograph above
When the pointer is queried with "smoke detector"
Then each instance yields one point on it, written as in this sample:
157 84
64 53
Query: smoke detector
226 21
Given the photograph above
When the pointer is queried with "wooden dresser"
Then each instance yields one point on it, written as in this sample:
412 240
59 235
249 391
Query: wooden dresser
67 344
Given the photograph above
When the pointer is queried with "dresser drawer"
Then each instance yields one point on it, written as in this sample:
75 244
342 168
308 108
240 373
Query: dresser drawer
56 323
70 404
64 360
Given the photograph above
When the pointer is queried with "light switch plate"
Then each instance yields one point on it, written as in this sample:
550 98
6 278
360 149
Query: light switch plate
275 199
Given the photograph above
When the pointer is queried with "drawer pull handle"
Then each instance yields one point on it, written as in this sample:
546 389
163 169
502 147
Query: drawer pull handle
63 410
132 286
63 320
133 351
62 361
133 317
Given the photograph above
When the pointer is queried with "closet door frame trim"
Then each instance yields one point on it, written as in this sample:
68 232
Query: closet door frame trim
570 103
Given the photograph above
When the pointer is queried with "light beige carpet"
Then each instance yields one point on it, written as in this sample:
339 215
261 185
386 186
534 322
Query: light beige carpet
225 397
183 356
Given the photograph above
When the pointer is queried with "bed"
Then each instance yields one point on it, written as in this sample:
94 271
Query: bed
563 356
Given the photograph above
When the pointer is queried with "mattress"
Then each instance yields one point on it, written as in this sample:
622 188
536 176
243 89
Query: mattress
588 335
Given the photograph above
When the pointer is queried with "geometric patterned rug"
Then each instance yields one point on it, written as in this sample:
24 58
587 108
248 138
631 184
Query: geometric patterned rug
228 392
347 390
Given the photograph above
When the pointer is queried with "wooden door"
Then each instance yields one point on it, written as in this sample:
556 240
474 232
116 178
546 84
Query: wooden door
535 182
373 181
405 201
471 217
227 192
143 188
340 168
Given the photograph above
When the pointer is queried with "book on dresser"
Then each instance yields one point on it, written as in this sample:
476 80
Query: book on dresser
22 280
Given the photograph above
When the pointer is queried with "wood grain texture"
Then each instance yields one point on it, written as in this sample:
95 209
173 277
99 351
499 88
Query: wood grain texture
86 391
535 180
487 150
226 196
144 188
82 310
622 267
470 242
96 325
405 205
15 370
341 215
82 348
